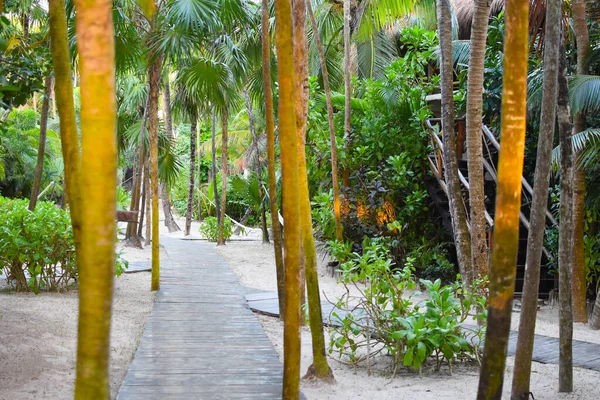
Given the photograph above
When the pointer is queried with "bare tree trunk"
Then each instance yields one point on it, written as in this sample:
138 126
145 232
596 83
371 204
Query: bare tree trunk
337 209
595 317
291 196
39 166
457 211
505 245
224 139
565 245
479 248
145 192
582 38
270 130
214 166
164 196
347 68
148 205
539 204
188 214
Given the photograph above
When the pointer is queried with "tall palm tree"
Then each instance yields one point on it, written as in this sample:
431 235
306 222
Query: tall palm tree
505 244
539 204
95 42
164 197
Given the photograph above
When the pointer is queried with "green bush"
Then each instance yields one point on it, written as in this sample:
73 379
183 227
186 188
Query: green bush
37 251
210 229
385 317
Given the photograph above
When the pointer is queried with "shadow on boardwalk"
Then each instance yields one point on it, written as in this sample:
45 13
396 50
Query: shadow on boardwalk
201 340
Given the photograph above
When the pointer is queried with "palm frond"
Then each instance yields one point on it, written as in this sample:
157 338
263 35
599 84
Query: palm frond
584 93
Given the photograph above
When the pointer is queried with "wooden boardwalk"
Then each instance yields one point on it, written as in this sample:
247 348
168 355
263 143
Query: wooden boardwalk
201 340
545 348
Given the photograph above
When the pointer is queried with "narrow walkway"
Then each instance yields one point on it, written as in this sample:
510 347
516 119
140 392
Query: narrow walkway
201 340
545 348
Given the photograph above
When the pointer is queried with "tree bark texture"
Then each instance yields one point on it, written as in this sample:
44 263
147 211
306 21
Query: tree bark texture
39 166
458 214
96 258
320 368
164 195
291 195
132 238
595 317
337 208
214 165
145 191
224 139
347 69
154 79
188 213
582 38
505 245
148 205
539 204
270 131
66 111
479 247
565 244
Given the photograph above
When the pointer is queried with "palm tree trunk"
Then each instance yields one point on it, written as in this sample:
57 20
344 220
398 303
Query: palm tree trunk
291 195
145 193
457 211
214 165
319 369
582 38
270 130
39 166
154 80
148 205
347 69
257 169
595 317
66 110
96 259
131 238
505 245
337 209
479 248
164 196
188 214
224 139
539 204
565 244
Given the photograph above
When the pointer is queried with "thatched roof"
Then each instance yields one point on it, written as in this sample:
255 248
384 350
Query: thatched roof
464 15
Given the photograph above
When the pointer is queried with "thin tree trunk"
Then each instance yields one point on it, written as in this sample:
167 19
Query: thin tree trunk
53 98
565 244
505 245
595 317
337 209
457 211
145 191
96 258
291 195
154 80
188 214
66 110
320 368
148 206
224 139
164 196
539 204
479 248
39 166
347 69
214 166
257 169
270 130
582 38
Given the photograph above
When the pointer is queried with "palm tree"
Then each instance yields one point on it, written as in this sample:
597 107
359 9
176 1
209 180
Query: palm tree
95 41
164 197
35 189
508 200
539 204
188 214
479 248
457 211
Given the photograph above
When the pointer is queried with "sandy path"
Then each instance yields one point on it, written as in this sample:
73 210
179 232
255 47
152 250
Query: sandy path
253 263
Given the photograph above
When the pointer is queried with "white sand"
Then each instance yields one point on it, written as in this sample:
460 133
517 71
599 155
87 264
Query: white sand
38 337
254 265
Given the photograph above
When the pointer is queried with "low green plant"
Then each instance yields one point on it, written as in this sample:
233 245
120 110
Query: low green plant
210 229
386 317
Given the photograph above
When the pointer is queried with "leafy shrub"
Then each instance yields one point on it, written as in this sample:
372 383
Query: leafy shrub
37 251
386 318
210 229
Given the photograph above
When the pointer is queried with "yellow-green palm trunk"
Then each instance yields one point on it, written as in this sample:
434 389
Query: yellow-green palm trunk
291 209
270 131
154 80
66 111
224 139
95 43
508 200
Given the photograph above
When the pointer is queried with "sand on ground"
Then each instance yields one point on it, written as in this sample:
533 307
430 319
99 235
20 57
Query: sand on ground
254 265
